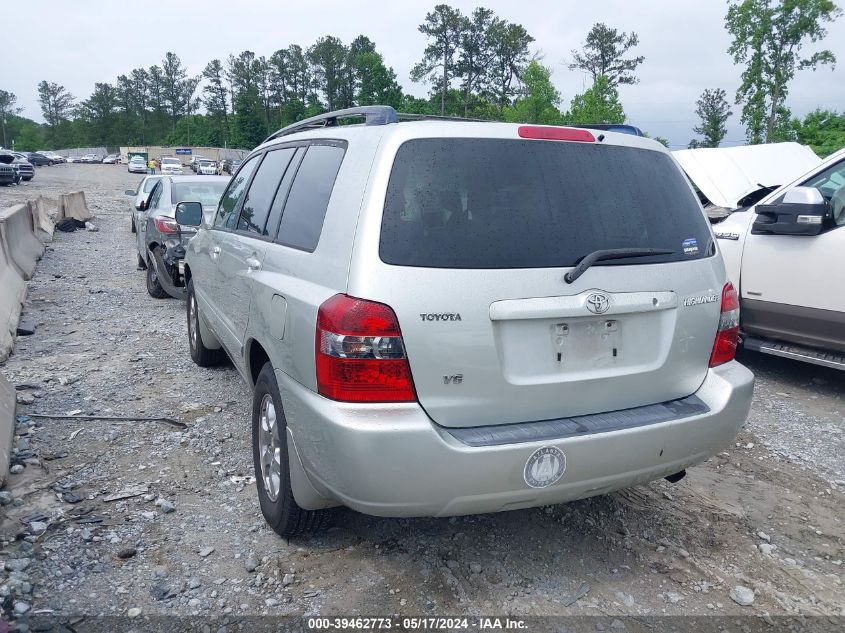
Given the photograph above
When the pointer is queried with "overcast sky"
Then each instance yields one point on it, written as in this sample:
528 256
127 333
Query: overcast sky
684 44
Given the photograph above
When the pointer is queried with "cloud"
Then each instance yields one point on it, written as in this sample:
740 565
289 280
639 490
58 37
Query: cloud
80 43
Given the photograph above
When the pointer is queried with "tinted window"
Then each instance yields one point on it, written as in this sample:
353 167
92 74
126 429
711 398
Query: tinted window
494 203
204 191
282 193
305 210
229 202
262 191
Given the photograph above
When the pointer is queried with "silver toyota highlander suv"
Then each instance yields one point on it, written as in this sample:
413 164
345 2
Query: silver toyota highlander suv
449 317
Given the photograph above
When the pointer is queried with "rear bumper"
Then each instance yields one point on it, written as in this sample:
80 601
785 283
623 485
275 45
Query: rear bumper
391 460
173 287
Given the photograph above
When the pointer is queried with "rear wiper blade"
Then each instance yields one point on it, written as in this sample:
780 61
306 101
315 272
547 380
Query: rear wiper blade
612 253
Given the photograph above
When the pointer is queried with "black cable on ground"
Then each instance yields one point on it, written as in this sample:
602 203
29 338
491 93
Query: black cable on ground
176 423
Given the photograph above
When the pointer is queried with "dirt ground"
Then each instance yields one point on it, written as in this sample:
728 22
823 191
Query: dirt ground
766 514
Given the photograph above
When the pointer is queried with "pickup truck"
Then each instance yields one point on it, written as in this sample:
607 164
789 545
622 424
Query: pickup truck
786 254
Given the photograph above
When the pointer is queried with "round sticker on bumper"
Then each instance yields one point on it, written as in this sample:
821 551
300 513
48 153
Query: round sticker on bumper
545 466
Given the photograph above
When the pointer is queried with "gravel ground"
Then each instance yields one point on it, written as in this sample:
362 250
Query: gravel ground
761 522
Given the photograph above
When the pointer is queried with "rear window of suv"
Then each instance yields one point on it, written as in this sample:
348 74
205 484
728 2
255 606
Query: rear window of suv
500 203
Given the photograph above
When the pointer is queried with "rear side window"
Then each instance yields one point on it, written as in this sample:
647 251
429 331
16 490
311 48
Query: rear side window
262 191
499 203
206 192
305 210
226 217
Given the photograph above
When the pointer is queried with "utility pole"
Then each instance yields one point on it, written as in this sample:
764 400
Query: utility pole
4 131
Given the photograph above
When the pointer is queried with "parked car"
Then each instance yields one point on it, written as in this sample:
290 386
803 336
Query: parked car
73 159
232 166
56 158
23 167
39 160
140 195
207 168
137 165
784 253
194 162
111 159
161 241
437 318
172 166
8 173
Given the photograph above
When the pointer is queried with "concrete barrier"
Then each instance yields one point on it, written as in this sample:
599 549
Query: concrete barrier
19 239
12 294
41 222
8 403
73 205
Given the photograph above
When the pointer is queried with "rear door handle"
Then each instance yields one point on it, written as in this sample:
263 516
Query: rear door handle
253 264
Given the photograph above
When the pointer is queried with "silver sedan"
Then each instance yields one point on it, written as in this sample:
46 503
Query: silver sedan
141 194
160 239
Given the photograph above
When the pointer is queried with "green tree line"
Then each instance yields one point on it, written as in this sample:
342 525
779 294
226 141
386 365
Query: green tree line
478 65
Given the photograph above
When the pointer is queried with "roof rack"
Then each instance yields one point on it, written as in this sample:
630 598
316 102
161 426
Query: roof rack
372 115
383 115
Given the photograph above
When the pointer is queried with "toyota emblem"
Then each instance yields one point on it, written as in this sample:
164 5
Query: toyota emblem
598 303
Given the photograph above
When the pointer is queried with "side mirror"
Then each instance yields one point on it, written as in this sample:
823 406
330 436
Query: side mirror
189 213
802 211
129 192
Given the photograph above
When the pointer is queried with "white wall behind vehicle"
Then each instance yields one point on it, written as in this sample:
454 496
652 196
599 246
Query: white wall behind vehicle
727 174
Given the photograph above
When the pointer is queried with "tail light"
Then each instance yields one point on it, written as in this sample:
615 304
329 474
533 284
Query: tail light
166 225
360 353
727 337
553 133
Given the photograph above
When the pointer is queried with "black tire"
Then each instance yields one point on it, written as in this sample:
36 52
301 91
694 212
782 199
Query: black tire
200 354
142 265
153 286
280 511
132 219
